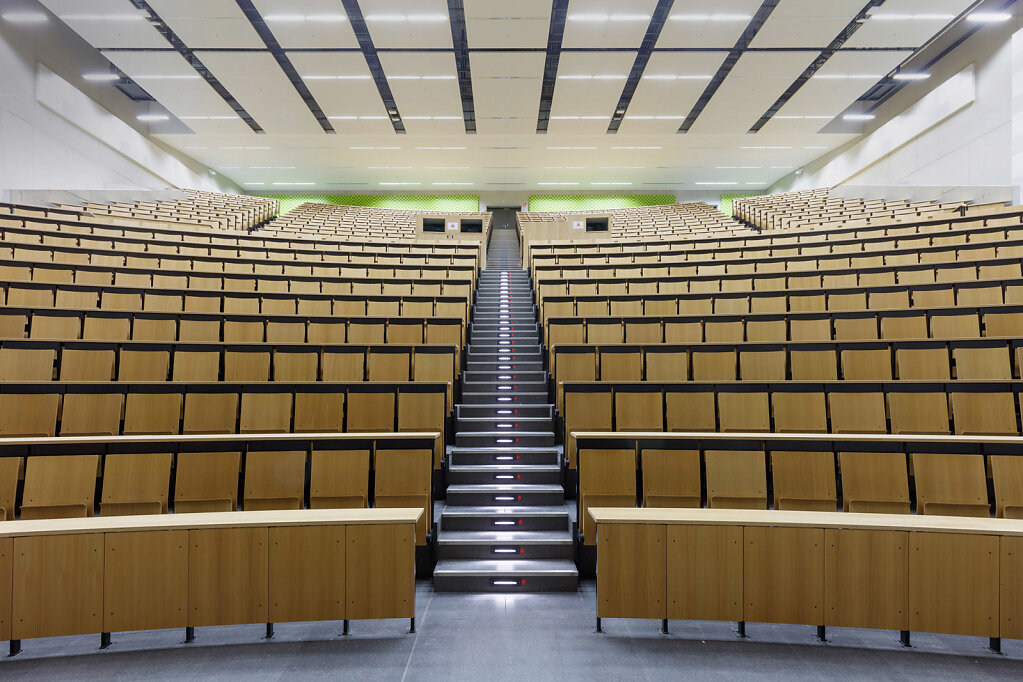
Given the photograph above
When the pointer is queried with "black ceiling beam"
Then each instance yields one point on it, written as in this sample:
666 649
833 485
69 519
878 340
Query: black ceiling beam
653 32
376 69
256 19
826 54
456 17
160 25
741 45
559 15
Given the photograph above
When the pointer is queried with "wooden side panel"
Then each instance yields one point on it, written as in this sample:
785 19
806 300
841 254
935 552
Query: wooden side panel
631 571
953 584
783 575
6 585
58 586
865 584
145 580
307 573
227 576
705 577
380 571
1010 574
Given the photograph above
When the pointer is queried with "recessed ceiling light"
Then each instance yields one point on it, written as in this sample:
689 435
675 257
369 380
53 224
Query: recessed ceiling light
254 183
448 167
590 76
168 77
622 167
610 183
101 77
776 147
299 18
710 17
912 17
715 183
104 17
340 77
989 17
395 18
567 148
400 183
357 118
153 117
737 167
207 118
859 117
634 147
24 17
677 77
374 148
440 148
446 77
789 117
849 76
271 167
244 148
453 184
551 184
599 18
433 118
911 76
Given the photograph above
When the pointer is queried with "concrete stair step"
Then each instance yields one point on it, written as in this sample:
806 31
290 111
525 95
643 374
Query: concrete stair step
503 397
468 456
502 410
506 546
505 473
476 575
516 517
488 495
498 438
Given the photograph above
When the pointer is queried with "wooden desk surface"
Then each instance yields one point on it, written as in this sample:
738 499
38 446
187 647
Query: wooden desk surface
217 438
799 519
790 437
235 519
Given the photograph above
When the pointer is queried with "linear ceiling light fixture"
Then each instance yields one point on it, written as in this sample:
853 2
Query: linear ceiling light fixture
376 69
456 14
555 38
653 33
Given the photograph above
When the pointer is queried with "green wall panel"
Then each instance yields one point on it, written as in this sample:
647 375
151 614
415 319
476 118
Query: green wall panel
410 202
727 199
596 202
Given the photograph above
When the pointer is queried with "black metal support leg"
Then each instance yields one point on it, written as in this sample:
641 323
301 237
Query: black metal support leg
904 638
599 628
15 647
269 631
345 631
741 629
189 634
664 626
822 633
104 640
995 644
412 625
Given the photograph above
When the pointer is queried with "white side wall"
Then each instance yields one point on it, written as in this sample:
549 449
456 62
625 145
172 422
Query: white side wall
953 130
53 136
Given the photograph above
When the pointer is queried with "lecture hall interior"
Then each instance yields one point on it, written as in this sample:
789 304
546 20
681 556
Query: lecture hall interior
511 339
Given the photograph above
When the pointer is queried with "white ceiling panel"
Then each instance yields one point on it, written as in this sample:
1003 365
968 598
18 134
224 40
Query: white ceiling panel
588 97
706 32
257 82
880 33
506 91
387 31
107 32
806 23
611 33
307 33
662 97
498 23
208 23
355 94
435 91
756 81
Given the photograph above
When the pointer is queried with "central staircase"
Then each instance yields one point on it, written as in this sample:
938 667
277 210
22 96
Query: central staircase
505 526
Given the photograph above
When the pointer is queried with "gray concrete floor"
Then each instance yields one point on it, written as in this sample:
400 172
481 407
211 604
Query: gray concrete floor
512 637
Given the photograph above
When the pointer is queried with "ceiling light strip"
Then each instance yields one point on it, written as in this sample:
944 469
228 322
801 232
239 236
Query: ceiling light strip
559 14
826 54
653 32
730 61
160 25
369 51
256 19
456 15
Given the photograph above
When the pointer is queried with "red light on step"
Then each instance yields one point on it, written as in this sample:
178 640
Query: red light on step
520 498
523 581
522 551
520 522
516 440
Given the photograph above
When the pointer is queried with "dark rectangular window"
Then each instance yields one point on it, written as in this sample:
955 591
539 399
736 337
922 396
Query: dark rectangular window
472 225
596 224
433 224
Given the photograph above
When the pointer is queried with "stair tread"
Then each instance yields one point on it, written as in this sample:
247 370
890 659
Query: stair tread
488 537
505 488
518 510
519 567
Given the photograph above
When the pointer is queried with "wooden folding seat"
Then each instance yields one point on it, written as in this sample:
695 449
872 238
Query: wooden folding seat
295 364
78 364
667 366
574 367
810 329
164 329
743 411
952 325
370 411
59 486
211 413
950 484
671 478
621 366
758 330
10 471
319 413
585 411
736 479
403 479
265 413
984 413
389 364
339 479
643 332
804 481
91 414
27 364
690 411
29 296
343 366
723 331
714 364
200 331
196 365
420 411
637 410
874 482
135 484
904 325
1007 476
274 480
926 364
405 331
857 411
62 325
279 331
977 294
866 364
607 478
799 412
980 363
143 364
1003 324
764 363
683 332
152 413
366 332
918 412
206 481
247 365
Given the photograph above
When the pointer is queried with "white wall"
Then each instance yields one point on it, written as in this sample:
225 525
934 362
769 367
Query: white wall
953 130
53 136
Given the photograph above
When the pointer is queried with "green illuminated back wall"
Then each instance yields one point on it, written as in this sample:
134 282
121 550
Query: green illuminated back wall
596 202
446 203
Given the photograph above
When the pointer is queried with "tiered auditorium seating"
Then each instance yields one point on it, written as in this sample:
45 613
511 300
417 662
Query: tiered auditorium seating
895 328
111 331
815 209
678 220
324 221
209 209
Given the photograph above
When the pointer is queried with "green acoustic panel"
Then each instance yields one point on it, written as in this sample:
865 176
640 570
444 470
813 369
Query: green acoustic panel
727 199
596 202
410 202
